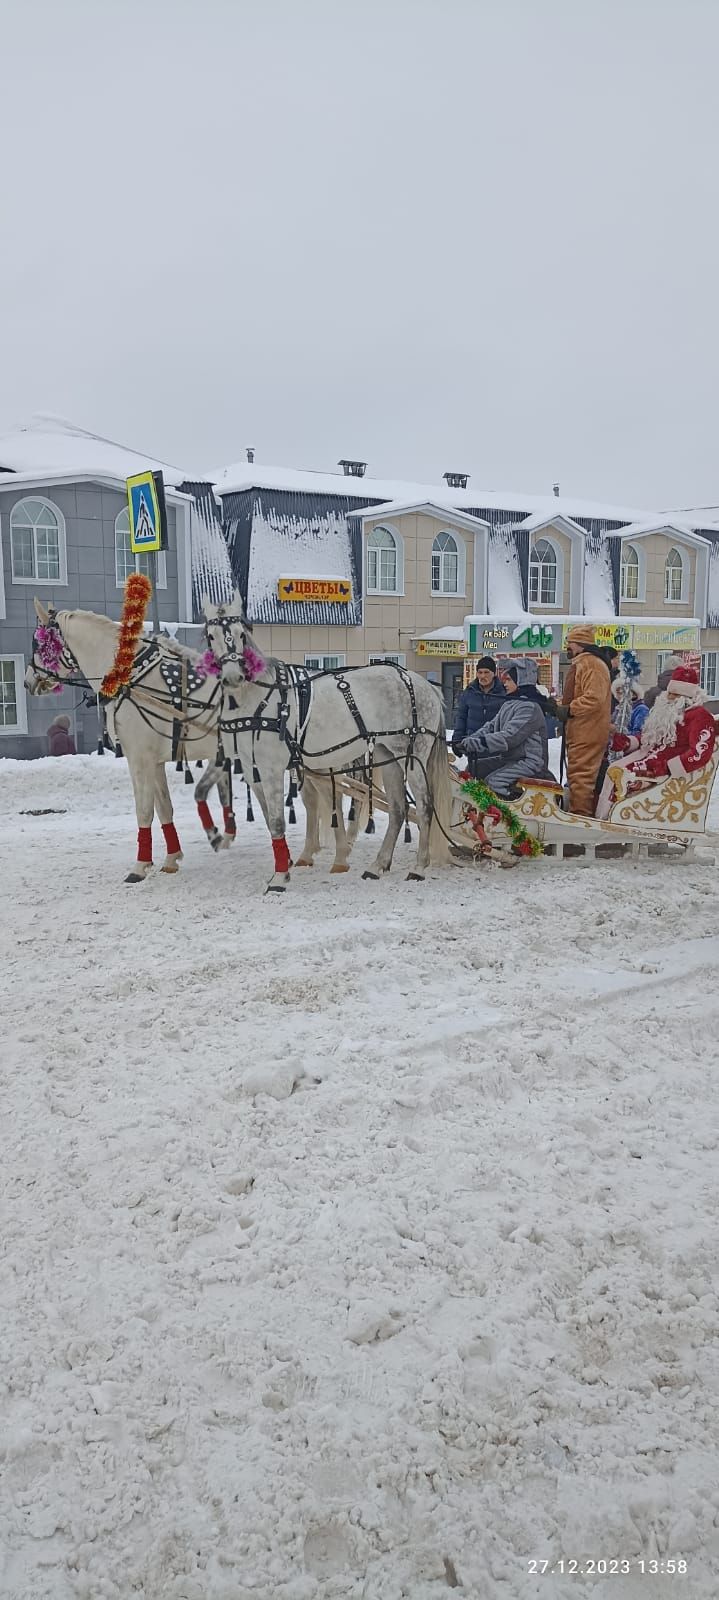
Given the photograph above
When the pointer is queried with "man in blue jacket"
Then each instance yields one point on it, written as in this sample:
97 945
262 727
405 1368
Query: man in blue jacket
479 704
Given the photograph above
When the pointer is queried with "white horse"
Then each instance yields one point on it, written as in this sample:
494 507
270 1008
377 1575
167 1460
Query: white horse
380 717
169 707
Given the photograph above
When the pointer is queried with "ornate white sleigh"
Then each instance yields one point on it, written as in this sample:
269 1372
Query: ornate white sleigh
668 813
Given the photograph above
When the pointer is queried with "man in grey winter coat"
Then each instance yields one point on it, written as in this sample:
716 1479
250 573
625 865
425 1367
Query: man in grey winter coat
514 744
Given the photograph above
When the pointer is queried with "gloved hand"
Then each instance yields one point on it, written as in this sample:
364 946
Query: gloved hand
561 713
458 746
620 741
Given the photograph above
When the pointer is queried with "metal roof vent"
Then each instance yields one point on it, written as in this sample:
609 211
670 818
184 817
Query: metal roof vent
456 480
555 489
250 453
353 469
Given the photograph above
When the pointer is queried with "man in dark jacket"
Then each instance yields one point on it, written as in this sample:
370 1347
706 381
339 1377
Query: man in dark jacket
479 704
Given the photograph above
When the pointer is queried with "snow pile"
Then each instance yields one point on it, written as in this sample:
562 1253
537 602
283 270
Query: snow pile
211 571
358 1242
504 587
598 587
282 545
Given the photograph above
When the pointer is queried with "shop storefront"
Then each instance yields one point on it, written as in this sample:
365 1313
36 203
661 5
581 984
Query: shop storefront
544 639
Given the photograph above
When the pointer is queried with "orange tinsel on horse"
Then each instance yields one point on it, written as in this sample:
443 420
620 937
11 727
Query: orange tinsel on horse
138 590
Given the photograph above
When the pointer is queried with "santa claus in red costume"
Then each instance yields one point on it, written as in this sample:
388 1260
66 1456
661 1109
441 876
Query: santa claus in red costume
678 738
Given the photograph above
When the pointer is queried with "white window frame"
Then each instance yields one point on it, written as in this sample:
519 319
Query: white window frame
384 527
680 599
460 549
708 655
21 697
316 659
556 603
639 597
378 657
161 556
53 583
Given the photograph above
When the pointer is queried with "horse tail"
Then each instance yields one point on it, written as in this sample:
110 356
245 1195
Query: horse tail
439 784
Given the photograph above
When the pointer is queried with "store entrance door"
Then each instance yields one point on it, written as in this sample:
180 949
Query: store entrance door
452 684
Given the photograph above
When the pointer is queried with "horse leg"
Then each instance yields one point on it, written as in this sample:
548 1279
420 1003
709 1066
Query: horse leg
212 776
163 807
143 784
228 815
273 804
393 784
423 809
343 843
311 801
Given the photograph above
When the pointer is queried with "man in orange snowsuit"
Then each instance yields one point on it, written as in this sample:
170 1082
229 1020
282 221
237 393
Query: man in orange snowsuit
587 711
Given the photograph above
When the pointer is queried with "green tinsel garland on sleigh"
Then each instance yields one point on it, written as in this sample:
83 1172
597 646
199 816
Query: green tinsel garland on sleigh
486 801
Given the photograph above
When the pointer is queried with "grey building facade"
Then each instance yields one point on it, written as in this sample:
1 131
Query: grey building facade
66 540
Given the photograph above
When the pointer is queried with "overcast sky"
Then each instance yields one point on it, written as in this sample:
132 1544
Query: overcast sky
476 235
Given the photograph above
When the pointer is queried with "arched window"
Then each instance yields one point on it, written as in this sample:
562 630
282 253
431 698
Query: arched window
629 589
37 542
543 574
384 562
126 562
447 565
673 576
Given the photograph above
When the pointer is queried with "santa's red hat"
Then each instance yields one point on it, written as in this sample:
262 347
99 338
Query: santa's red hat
685 681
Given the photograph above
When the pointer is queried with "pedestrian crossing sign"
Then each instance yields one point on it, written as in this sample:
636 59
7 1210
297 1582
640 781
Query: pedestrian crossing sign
145 500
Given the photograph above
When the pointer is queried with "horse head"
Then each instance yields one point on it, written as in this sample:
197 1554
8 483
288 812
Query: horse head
230 640
52 662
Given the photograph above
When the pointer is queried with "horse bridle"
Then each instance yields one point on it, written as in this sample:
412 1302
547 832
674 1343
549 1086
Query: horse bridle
226 624
65 659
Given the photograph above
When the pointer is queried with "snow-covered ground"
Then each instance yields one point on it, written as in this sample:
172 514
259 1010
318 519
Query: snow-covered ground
357 1242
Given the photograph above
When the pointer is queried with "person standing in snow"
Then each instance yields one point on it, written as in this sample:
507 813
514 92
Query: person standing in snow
678 738
59 738
478 705
586 711
514 744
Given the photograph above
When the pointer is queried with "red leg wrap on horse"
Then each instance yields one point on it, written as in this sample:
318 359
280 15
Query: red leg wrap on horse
171 839
228 816
281 855
205 815
144 844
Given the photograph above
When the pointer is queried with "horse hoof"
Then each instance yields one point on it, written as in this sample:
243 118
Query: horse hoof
136 877
339 868
373 875
303 863
415 877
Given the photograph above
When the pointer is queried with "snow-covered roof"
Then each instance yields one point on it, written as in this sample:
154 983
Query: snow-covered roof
640 530
49 449
439 633
245 475
540 520
398 508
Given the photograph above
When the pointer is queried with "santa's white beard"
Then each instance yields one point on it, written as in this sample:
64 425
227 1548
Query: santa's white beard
660 728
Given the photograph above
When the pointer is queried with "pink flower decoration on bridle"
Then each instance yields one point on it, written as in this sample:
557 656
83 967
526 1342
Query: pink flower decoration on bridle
49 648
252 661
208 665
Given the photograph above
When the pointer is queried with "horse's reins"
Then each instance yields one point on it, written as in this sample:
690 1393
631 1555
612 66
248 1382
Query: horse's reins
257 723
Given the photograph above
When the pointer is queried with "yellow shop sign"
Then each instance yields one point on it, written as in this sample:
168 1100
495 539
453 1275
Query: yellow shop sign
338 591
440 647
